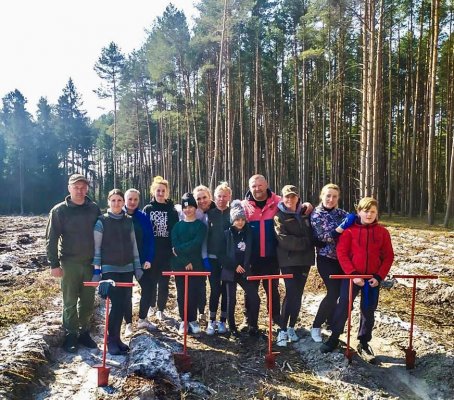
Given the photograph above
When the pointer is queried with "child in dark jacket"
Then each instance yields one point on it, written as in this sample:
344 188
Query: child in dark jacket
364 249
236 267
187 239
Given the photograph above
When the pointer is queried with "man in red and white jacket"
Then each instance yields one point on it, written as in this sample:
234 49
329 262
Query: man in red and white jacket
260 206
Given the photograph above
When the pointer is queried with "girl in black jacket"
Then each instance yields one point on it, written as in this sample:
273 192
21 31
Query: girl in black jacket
296 254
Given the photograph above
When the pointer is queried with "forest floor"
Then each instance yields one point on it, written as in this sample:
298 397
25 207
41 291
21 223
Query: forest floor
33 365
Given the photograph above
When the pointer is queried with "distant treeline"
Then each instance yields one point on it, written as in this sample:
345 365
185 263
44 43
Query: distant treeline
360 93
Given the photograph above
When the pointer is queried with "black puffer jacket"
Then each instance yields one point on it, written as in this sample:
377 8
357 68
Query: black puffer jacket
294 236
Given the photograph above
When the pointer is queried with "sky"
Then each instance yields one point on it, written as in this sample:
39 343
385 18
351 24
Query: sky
45 42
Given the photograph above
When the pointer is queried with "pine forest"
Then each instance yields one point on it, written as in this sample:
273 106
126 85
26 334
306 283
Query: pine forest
305 92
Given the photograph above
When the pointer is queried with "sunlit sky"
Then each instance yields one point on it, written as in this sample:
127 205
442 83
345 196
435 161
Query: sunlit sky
45 42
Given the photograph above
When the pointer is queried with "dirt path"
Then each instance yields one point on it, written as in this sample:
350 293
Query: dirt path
32 364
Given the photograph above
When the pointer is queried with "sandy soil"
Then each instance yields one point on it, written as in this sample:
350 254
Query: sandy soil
32 364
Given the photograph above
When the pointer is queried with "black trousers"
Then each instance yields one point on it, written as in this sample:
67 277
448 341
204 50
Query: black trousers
328 266
119 301
252 298
267 266
195 284
294 288
369 302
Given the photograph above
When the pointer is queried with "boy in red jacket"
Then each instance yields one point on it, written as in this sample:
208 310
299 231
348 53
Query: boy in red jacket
364 249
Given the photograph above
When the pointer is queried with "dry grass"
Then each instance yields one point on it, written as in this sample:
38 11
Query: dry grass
27 297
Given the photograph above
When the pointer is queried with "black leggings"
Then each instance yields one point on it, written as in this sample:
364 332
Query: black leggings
267 266
294 288
152 283
118 298
216 290
328 266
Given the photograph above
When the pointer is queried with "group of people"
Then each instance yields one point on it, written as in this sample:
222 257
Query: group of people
263 234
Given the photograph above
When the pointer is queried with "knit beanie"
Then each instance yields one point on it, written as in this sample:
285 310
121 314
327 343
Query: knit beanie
188 200
236 211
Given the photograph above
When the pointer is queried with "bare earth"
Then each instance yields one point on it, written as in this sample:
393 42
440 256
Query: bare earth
33 366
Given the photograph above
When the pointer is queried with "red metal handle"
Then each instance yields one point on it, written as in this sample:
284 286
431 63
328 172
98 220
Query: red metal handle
260 277
416 276
186 273
350 276
119 284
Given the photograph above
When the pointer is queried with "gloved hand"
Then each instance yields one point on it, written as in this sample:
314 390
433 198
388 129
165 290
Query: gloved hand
103 289
96 275
207 265
348 221
138 273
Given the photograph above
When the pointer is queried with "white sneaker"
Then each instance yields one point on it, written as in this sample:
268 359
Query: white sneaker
316 334
292 336
160 315
282 338
194 327
145 324
181 328
222 328
211 328
128 330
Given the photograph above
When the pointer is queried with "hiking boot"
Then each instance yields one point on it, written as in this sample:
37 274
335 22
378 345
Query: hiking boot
292 336
123 346
254 331
282 339
113 347
365 351
128 330
145 324
194 327
329 346
316 335
87 341
70 343
222 328
211 328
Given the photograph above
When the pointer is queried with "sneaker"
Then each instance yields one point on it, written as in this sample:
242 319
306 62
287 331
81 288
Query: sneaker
365 351
329 346
128 330
70 343
145 324
222 328
282 338
292 336
194 327
181 328
211 327
235 333
87 341
316 334
160 315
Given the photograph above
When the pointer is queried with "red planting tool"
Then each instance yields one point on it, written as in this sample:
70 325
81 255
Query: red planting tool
270 358
410 353
349 353
183 360
103 371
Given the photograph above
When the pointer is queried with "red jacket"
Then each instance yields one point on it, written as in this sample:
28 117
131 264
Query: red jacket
365 249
